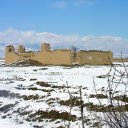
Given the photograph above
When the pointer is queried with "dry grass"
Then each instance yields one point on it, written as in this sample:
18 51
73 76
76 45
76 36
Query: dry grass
53 114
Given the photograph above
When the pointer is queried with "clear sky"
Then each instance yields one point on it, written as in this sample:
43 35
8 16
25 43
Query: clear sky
86 24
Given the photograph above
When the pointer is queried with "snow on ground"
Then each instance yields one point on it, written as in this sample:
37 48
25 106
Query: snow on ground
8 123
2 61
17 82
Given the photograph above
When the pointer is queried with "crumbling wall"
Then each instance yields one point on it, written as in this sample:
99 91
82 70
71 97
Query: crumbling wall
27 56
21 49
58 57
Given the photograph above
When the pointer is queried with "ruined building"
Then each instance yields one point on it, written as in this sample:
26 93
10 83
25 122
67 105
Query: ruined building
46 56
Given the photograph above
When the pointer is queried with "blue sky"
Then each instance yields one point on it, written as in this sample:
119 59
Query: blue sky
86 24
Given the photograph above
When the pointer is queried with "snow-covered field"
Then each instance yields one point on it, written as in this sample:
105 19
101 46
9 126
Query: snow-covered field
18 85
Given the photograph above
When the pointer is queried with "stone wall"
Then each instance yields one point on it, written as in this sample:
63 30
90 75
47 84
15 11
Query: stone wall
58 57
94 57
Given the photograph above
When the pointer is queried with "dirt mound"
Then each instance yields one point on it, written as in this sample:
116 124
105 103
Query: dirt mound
26 63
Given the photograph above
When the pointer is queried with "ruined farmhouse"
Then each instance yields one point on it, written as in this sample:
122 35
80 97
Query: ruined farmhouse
46 56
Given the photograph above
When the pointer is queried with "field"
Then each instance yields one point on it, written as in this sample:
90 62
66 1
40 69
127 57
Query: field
39 97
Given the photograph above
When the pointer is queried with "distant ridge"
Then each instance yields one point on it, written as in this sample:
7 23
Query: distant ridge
1 58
